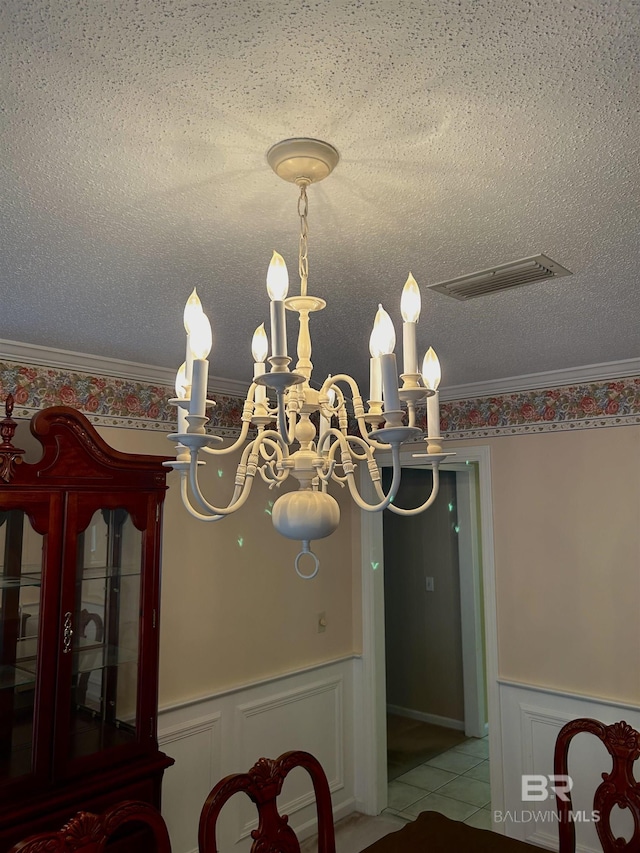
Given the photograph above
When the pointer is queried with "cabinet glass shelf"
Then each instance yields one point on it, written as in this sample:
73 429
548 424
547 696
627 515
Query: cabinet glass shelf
106 572
16 676
92 657
23 580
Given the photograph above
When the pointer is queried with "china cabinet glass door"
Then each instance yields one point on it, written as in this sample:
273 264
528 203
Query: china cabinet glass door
20 608
101 633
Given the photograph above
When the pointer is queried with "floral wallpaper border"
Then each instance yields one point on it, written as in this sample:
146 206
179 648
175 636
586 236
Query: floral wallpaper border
105 400
113 401
586 405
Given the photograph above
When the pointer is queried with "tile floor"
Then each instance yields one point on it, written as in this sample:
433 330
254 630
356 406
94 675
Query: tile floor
429 768
455 783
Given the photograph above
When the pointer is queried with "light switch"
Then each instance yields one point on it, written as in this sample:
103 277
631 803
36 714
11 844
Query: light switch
429 584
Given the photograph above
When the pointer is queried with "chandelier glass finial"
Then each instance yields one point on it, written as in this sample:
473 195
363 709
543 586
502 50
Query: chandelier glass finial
281 441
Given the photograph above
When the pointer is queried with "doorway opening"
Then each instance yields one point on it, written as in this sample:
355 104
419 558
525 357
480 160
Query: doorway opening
437 752
472 472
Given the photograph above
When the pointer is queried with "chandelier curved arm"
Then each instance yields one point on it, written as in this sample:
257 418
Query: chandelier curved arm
326 473
266 454
247 415
268 471
358 407
417 510
245 473
434 494
350 439
346 462
327 409
286 430
244 481
184 494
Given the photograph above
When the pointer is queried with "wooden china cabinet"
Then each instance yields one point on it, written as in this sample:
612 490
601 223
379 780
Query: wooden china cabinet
79 607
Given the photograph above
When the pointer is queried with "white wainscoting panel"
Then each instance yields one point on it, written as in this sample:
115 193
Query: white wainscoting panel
531 719
195 746
312 709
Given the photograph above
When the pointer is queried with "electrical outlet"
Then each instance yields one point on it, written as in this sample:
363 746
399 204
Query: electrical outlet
322 622
429 584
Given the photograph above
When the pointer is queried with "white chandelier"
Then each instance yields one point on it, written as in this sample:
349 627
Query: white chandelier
295 448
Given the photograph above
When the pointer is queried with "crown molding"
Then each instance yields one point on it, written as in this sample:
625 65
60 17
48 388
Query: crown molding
102 366
548 379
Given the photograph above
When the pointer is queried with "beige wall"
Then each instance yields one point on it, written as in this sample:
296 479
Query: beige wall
235 613
567 547
567 554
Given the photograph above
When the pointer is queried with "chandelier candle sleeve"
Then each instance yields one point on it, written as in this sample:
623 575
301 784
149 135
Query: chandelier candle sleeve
259 350
325 423
277 288
410 309
200 342
375 376
182 394
389 369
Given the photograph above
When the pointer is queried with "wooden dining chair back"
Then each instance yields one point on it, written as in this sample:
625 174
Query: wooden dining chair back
618 787
262 784
90 833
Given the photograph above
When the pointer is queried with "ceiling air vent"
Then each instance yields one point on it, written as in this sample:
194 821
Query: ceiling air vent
503 277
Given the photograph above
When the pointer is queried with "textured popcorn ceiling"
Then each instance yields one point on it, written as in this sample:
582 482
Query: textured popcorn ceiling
471 133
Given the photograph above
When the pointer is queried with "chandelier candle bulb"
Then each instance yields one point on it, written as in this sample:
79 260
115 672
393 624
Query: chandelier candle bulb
410 308
431 375
277 288
192 311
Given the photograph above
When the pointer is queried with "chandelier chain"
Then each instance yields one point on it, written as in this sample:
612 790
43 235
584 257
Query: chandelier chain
303 251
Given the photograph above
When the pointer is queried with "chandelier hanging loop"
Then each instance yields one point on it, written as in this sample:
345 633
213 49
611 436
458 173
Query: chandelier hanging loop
293 446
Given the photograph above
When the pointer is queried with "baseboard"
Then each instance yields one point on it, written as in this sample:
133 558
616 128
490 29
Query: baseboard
434 719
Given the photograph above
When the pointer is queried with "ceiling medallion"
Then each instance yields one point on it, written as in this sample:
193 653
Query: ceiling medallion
287 443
